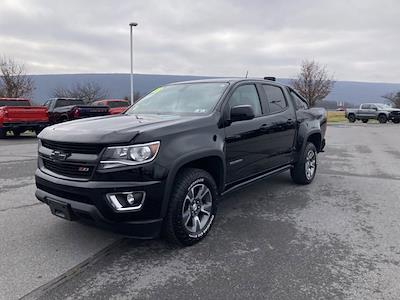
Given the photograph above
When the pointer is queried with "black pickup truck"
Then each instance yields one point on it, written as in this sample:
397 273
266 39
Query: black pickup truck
160 167
67 109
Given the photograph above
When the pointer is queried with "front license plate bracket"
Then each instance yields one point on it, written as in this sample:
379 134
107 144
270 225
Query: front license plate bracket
61 209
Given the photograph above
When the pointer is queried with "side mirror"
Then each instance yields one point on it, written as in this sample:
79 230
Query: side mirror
241 113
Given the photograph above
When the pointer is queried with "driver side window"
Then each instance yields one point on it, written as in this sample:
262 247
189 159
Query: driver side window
246 95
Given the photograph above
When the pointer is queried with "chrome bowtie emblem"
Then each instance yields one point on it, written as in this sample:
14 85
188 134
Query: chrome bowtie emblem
59 155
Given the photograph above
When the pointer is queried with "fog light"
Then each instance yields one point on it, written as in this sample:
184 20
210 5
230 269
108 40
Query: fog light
130 198
127 201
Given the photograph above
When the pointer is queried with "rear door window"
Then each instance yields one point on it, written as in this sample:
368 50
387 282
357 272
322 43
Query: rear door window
299 102
276 99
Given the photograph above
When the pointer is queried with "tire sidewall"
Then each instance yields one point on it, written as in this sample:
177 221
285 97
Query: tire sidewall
309 147
382 119
182 234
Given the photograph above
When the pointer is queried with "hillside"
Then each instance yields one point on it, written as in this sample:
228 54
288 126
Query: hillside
118 86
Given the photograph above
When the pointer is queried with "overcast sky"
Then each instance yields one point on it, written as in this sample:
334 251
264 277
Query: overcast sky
357 40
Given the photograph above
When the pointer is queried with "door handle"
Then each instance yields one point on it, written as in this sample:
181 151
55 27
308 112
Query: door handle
264 127
290 122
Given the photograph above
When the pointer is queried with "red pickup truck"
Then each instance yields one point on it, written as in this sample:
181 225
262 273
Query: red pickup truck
18 115
116 106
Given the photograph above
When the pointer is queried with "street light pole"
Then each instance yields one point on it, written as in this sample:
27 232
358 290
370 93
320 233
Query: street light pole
131 25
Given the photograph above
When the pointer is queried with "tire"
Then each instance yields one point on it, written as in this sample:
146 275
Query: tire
186 224
382 118
17 133
396 121
365 120
303 172
3 133
352 118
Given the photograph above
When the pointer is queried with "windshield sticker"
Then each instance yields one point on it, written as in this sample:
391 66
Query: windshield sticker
156 90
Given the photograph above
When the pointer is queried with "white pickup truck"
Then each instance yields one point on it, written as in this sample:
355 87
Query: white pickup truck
376 111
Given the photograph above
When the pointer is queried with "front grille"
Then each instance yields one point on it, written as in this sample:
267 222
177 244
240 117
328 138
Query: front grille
65 194
395 113
73 147
70 170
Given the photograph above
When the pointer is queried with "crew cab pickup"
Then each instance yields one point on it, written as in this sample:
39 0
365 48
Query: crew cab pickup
116 106
67 109
376 111
161 166
17 115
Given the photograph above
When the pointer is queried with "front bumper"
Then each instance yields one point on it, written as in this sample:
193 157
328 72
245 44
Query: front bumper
87 202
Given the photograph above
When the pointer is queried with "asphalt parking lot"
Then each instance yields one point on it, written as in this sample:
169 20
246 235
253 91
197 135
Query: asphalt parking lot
336 238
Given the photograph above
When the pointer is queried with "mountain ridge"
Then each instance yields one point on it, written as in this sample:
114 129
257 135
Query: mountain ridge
353 92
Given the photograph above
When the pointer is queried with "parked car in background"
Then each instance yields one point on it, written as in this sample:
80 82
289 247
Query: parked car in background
161 166
341 108
116 106
17 115
67 109
375 111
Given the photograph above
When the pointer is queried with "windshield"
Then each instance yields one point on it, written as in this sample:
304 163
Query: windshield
14 103
68 102
383 106
186 98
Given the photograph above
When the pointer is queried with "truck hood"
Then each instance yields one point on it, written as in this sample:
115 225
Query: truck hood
108 129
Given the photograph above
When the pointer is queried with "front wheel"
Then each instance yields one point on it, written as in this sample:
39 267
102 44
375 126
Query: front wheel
396 121
382 119
192 207
365 120
303 172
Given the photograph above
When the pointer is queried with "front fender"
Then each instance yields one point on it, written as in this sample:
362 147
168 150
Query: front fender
183 160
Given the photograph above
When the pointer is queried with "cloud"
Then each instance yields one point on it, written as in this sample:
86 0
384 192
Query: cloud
357 40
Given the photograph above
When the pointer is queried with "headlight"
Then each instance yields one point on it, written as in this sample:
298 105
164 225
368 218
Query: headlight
129 155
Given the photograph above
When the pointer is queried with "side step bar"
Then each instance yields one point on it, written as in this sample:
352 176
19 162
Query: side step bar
259 177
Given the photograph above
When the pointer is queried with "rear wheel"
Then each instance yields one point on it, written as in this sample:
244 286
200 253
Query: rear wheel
352 118
396 121
192 207
382 118
304 170
365 120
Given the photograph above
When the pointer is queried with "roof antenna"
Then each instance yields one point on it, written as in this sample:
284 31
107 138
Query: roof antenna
247 73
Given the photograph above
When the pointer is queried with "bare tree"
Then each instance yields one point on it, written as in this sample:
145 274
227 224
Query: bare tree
313 83
88 92
394 98
14 82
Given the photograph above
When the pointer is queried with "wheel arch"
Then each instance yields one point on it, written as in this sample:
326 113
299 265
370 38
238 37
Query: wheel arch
316 139
211 161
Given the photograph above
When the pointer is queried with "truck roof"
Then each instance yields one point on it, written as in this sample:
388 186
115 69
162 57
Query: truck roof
230 80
